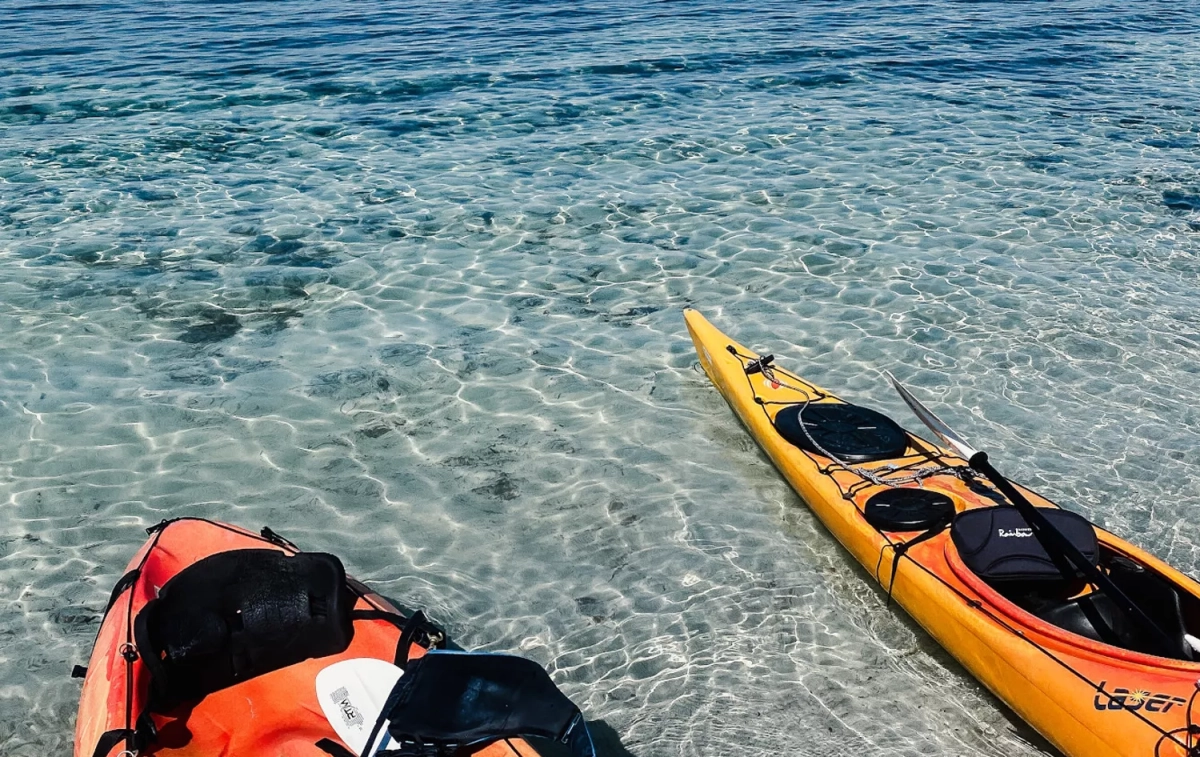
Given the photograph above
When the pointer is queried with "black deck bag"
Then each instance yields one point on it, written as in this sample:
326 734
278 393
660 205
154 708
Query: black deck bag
446 700
999 546
239 614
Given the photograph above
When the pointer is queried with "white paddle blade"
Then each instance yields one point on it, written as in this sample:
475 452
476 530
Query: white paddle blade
352 694
935 424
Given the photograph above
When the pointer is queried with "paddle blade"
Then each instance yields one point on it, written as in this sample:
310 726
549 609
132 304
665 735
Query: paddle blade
935 424
352 694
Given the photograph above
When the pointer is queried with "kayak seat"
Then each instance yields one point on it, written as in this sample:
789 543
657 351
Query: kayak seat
446 700
999 546
849 433
239 614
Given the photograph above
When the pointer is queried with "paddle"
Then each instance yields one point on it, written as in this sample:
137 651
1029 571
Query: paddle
1058 547
352 694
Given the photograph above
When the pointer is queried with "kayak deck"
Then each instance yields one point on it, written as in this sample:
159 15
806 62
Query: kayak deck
1087 697
276 713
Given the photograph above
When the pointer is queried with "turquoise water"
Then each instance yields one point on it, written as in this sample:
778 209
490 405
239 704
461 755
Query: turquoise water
405 283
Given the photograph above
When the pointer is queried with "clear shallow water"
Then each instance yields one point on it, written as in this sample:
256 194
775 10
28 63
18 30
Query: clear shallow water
404 282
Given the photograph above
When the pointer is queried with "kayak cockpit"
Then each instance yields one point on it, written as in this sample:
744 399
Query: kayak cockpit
1094 615
1011 569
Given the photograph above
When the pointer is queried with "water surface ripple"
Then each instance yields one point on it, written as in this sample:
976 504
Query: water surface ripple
404 282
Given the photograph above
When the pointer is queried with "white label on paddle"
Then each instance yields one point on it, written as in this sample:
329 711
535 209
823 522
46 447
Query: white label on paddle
352 694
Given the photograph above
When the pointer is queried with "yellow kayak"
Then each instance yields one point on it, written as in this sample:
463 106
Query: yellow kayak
946 544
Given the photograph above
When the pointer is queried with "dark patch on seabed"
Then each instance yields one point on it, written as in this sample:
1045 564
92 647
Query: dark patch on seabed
502 488
1043 162
217 326
1181 201
351 383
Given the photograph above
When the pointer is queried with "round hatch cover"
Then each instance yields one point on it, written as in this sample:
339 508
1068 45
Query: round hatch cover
908 510
851 433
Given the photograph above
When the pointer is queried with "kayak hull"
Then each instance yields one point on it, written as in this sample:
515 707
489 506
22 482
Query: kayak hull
1087 698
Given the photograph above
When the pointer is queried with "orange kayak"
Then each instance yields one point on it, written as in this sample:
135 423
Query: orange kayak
946 545
147 692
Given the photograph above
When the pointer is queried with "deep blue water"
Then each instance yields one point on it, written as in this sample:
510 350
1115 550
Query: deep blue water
405 282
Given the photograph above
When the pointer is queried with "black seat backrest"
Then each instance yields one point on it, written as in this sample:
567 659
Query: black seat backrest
239 614
999 546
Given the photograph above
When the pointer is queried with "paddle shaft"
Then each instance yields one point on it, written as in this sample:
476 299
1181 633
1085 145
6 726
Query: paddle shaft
1057 546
